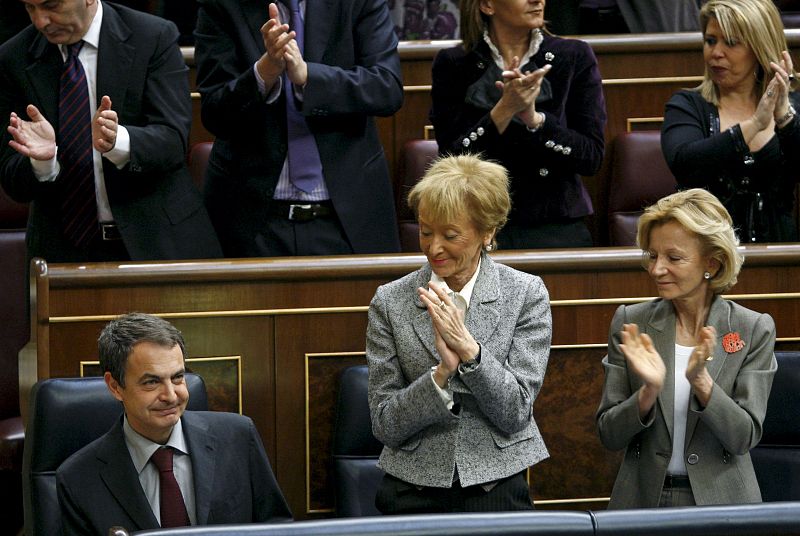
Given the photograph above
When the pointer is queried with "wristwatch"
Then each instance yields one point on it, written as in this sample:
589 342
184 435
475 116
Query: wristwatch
465 367
540 125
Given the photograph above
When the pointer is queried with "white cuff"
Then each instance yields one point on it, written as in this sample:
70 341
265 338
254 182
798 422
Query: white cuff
120 155
46 170
445 394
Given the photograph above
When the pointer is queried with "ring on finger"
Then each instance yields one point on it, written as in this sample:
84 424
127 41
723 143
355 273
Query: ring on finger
769 93
791 77
710 358
442 305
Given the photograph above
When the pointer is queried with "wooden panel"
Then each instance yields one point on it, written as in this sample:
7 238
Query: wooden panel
297 322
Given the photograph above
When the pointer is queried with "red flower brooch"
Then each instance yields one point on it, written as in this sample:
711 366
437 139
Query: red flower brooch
732 343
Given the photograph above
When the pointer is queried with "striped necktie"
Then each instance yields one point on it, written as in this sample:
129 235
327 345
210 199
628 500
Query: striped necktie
305 166
78 204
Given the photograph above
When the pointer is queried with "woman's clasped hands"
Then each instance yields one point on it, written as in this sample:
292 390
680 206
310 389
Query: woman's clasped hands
453 341
520 90
774 103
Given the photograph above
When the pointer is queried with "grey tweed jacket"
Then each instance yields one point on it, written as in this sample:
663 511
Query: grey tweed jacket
493 435
719 437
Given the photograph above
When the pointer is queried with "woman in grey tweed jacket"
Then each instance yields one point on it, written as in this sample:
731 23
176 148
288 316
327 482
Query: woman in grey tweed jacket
457 352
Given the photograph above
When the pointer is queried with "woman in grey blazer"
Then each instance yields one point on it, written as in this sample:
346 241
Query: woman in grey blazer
457 352
688 375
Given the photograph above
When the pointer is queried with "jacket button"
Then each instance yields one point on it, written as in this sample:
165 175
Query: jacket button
692 459
465 142
543 172
550 144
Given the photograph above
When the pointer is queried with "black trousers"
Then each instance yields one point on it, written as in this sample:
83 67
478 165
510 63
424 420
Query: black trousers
396 496
320 236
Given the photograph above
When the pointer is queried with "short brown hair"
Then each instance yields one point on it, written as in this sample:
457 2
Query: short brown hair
119 336
701 213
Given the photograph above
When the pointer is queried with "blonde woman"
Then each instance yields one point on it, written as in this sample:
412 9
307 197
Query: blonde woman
688 375
737 134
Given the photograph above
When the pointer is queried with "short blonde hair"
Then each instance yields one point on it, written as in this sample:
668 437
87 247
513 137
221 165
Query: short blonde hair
755 23
464 184
701 213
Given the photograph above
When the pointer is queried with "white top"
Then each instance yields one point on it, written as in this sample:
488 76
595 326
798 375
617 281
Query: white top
680 411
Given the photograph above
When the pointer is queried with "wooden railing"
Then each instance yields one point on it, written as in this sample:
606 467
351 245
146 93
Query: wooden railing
271 335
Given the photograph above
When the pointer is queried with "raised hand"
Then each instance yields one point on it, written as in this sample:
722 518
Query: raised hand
104 126
296 67
781 84
276 36
696 371
642 357
35 138
519 96
448 323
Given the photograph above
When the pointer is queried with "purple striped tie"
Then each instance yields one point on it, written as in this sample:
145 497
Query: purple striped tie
78 206
305 166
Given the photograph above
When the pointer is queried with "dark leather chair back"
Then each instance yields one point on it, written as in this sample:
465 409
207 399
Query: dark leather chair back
13 215
65 415
197 162
776 459
417 157
14 333
355 449
639 177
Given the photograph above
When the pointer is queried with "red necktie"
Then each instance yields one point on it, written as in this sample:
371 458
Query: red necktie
173 509
78 205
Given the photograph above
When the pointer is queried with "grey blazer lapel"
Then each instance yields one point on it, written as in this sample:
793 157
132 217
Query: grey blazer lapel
662 330
719 318
120 477
423 326
202 445
115 58
43 74
483 315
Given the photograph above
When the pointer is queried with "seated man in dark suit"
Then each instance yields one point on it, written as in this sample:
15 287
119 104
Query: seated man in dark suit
159 465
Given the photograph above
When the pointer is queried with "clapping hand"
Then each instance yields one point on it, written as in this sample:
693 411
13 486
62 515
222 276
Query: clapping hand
35 138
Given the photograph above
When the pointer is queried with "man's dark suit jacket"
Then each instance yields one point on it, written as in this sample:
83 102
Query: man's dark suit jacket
139 65
98 487
353 74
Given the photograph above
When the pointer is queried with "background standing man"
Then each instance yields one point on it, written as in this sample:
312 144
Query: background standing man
289 91
98 103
